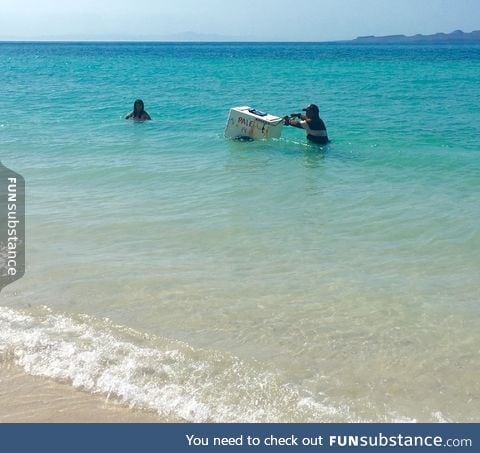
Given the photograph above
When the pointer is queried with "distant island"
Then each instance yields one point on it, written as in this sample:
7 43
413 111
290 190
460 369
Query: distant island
458 36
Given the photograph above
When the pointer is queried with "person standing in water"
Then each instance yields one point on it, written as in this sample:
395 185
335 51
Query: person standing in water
311 122
139 113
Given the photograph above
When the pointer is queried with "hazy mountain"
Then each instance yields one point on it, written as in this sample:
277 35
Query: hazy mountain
458 36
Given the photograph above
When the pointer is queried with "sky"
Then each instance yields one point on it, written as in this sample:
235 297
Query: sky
258 20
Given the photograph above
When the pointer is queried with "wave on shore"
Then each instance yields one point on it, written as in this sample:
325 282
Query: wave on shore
153 373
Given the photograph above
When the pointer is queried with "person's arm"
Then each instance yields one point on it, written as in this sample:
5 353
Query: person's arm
295 123
146 116
129 116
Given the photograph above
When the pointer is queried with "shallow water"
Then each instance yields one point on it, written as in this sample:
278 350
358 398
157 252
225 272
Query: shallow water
212 280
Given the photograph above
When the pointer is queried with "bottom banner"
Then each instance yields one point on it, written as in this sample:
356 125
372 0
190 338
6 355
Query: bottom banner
219 438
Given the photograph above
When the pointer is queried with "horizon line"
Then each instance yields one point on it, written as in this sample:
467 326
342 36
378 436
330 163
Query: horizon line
186 41
212 39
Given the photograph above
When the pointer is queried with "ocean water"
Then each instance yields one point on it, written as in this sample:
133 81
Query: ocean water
211 280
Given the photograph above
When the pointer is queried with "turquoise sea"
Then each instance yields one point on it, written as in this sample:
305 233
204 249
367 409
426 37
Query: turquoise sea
212 280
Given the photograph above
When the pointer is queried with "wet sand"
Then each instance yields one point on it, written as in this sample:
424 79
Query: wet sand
25 398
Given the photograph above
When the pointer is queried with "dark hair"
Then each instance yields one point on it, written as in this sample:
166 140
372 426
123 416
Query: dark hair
142 108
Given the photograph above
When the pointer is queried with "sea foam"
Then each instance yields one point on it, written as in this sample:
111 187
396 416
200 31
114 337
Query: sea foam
153 373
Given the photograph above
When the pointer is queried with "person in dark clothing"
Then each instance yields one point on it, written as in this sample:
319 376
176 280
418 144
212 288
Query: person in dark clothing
139 113
311 123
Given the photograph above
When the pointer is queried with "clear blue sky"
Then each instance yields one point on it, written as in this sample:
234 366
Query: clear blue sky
270 20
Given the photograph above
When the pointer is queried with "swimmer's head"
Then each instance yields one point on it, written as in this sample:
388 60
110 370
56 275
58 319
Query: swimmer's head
138 106
311 111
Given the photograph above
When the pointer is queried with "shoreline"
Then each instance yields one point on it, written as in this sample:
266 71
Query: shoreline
33 399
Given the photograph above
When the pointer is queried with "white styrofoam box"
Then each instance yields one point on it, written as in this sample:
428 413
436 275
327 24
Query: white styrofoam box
245 122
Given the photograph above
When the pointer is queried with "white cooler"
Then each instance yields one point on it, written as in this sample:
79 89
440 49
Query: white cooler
245 122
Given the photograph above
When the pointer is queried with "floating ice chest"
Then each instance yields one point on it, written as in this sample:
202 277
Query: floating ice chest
245 122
